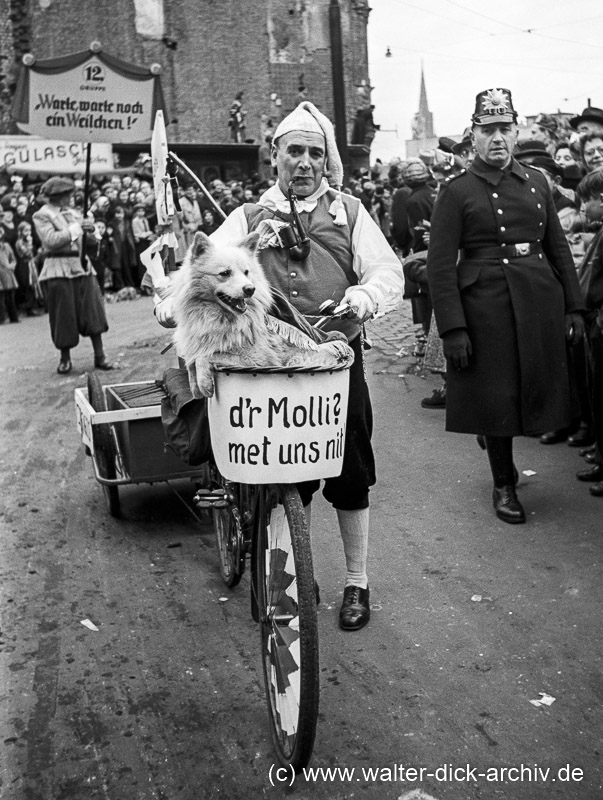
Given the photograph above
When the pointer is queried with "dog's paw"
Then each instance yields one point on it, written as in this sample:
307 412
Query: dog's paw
339 352
201 379
204 389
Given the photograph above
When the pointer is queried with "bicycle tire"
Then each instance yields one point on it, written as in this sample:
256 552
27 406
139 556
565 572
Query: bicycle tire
229 540
288 623
104 447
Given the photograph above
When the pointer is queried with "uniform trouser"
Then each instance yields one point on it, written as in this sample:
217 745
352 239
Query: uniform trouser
350 491
75 308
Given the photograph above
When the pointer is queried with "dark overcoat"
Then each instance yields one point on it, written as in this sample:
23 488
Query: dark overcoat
512 307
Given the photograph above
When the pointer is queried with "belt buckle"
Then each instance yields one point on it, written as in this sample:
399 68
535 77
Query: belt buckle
522 249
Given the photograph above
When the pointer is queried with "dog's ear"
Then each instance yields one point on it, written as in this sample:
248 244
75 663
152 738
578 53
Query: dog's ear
200 245
251 242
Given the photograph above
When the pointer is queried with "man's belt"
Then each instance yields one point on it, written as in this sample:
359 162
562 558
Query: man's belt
504 251
63 254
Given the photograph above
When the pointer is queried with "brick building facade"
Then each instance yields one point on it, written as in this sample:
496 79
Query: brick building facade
274 51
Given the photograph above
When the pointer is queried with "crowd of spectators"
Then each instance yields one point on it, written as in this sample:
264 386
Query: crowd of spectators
399 197
122 207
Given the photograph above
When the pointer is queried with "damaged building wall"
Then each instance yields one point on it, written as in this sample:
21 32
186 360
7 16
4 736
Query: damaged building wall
273 51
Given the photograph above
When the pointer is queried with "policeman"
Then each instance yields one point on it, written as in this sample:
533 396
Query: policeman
505 297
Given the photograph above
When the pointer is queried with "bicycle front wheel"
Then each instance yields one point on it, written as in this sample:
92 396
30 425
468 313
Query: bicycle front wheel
289 630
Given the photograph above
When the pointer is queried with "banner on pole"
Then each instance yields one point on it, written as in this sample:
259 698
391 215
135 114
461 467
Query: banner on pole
87 97
164 198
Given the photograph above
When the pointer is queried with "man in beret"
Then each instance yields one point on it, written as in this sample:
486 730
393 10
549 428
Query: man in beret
346 257
75 306
505 308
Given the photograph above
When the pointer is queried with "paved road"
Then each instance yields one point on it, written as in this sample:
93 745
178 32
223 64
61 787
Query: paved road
472 619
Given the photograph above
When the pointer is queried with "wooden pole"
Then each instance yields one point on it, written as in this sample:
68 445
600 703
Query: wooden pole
189 172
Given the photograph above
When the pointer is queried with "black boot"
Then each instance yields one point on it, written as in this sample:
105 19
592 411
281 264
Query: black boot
507 506
500 455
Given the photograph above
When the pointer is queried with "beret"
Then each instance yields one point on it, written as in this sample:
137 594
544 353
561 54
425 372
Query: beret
57 185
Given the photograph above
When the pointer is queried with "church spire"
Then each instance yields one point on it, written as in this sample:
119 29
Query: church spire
423 121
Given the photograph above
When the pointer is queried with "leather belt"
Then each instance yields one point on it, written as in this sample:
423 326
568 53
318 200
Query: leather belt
63 254
519 250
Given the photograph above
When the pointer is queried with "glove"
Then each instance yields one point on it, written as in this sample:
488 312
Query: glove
164 314
361 304
457 347
574 328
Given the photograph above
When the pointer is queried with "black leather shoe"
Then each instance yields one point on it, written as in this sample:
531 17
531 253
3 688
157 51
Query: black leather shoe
554 437
582 438
507 506
594 473
596 489
355 611
64 367
591 458
586 451
437 399
102 363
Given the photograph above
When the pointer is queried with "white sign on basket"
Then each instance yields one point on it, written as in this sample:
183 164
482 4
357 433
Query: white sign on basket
279 427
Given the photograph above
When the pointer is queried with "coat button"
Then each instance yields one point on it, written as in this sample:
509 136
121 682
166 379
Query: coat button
294 294
505 260
533 190
500 211
293 274
494 195
538 205
502 227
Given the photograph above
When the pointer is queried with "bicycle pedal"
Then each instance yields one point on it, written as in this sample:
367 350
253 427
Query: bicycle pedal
205 498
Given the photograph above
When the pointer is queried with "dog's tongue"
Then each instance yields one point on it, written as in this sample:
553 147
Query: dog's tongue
240 306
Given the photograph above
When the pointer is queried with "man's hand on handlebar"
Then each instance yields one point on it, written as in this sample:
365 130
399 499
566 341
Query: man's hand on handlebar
362 306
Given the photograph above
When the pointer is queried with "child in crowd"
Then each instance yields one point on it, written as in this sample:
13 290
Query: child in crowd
98 250
29 295
8 282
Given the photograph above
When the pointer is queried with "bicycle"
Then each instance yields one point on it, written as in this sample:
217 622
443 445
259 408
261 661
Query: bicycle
267 522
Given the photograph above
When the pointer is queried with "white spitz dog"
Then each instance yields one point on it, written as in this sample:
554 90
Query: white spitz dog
220 303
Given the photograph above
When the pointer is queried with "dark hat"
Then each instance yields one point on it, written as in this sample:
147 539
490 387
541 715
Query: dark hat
445 144
546 162
530 148
494 105
589 114
466 141
547 122
137 206
57 185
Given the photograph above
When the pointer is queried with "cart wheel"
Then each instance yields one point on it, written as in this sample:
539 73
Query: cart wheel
104 447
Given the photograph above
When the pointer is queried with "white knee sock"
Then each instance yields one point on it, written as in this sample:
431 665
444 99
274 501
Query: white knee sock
354 528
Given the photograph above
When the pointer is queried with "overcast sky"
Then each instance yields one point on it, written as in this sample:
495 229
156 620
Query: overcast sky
549 53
